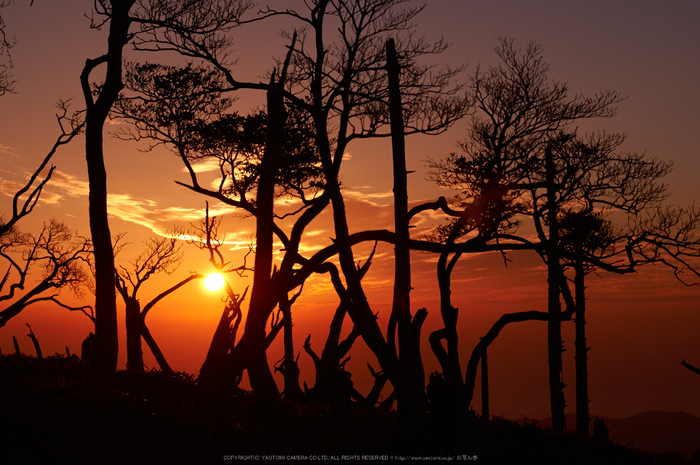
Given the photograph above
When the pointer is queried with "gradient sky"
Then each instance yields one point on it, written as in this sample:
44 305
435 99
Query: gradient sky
639 326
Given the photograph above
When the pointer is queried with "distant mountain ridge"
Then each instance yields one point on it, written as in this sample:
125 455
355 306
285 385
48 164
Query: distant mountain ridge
657 432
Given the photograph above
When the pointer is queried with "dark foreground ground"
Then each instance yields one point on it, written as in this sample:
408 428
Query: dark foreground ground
150 419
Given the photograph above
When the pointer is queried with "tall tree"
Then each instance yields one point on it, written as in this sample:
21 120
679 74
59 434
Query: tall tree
582 234
195 20
98 105
343 86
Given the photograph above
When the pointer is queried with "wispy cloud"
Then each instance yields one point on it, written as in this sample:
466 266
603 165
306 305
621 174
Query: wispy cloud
10 188
69 184
144 212
203 166
8 150
378 199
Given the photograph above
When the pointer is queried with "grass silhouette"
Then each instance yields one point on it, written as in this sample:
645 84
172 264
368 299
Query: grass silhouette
151 419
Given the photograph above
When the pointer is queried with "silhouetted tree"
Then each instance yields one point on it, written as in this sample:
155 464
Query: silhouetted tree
98 104
519 110
6 80
341 88
26 198
209 384
333 384
191 122
60 255
161 255
598 187
583 233
196 20
519 161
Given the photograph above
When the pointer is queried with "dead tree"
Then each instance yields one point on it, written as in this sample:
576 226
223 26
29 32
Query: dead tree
340 88
35 341
183 22
520 159
161 255
63 258
6 80
333 383
25 199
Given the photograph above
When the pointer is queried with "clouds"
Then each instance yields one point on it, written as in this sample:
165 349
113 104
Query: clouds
68 185
144 212
9 151
10 188
204 165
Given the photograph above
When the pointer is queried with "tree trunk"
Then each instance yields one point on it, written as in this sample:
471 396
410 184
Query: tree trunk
418 406
262 299
485 385
582 413
213 375
101 374
16 344
449 359
415 399
134 353
554 339
359 310
155 350
290 368
35 341
150 341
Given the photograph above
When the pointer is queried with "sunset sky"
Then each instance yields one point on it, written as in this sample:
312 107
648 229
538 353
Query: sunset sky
639 326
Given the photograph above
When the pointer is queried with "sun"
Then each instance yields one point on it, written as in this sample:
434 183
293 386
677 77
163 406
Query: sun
214 282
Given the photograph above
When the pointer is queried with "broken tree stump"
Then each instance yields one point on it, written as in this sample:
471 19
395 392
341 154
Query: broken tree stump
35 341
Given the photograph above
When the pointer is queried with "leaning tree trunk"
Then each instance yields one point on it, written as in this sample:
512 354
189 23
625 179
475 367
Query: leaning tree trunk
35 341
102 371
155 350
146 334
